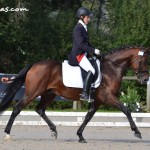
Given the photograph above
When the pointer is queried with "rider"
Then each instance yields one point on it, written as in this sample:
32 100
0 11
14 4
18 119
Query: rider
81 48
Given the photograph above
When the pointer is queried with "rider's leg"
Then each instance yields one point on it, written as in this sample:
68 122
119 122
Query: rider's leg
86 65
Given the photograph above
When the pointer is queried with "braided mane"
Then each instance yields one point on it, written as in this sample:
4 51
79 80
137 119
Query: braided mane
122 48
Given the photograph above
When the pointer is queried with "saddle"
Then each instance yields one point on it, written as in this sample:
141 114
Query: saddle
73 76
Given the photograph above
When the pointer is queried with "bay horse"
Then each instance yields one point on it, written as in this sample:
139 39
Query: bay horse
45 78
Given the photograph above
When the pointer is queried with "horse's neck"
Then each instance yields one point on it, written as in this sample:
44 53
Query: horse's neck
114 69
118 62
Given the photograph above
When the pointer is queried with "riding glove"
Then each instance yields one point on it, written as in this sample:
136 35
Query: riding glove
97 52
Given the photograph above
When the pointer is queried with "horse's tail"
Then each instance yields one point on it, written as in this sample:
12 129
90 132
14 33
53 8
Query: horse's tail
12 88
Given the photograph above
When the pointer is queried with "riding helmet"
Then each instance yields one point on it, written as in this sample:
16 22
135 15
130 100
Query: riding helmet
83 11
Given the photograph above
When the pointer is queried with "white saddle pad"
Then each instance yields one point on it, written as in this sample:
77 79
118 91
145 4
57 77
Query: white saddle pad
72 75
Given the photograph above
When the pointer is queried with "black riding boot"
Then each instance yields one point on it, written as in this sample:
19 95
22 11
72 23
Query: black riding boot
86 87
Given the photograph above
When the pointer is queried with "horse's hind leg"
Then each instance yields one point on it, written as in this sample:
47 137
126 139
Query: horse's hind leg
46 99
17 109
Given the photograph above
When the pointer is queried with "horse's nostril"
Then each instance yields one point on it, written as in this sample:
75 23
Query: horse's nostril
146 80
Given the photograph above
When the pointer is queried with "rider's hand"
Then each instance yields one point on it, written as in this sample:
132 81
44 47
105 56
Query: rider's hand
4 79
97 52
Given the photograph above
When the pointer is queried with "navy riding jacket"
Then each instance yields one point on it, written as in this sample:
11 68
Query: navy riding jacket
80 44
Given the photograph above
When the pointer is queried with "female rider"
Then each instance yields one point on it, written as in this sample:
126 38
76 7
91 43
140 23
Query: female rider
82 48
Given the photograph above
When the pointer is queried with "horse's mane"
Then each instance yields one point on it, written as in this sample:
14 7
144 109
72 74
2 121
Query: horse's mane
122 48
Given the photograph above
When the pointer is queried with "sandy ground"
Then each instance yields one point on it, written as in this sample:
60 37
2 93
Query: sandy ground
98 138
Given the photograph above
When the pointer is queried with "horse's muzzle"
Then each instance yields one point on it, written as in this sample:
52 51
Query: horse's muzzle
143 80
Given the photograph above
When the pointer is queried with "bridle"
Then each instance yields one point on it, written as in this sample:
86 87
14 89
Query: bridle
139 71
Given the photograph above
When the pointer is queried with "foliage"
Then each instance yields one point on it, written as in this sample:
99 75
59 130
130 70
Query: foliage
131 96
130 99
61 105
141 89
64 105
127 23
42 32
56 105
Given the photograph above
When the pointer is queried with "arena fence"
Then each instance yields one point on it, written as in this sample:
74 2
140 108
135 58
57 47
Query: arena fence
76 118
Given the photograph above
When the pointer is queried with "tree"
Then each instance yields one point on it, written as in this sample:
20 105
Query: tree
43 32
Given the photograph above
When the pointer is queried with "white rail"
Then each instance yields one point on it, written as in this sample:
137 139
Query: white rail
76 119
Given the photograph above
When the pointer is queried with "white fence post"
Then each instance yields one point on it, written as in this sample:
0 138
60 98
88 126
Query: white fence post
77 105
148 95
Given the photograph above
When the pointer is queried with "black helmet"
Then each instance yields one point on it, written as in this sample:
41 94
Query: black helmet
83 11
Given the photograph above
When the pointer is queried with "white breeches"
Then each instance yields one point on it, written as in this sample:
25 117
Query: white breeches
86 65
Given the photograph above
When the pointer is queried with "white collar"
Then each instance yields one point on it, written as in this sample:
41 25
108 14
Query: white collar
84 25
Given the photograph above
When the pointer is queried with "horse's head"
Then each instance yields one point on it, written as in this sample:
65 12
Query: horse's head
139 64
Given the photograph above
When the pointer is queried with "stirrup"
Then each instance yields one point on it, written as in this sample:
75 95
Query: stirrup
86 97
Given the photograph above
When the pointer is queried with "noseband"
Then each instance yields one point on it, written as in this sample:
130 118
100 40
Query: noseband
139 71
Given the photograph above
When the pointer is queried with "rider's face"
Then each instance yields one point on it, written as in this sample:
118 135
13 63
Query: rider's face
86 20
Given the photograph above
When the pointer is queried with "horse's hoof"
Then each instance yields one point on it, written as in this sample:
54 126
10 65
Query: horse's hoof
8 138
138 135
54 134
82 141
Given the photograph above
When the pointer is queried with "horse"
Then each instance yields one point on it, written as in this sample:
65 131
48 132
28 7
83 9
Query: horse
44 78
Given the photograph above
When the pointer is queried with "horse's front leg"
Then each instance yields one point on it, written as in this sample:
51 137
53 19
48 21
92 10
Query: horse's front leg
133 126
116 103
88 117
